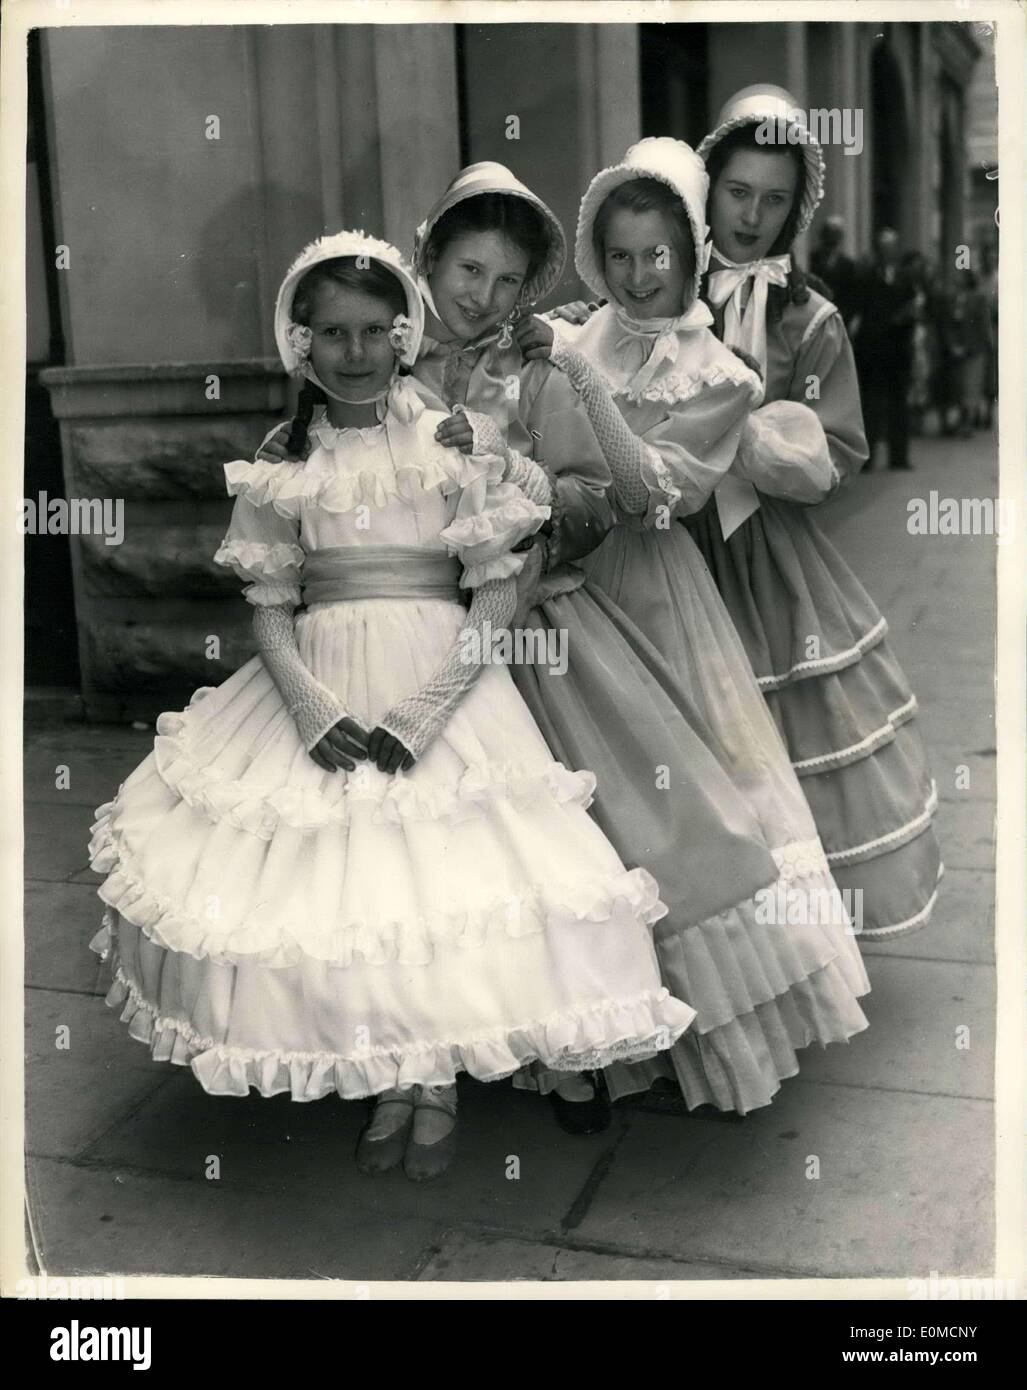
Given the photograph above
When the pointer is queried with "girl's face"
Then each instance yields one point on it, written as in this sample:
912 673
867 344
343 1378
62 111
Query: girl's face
751 201
644 266
350 349
476 281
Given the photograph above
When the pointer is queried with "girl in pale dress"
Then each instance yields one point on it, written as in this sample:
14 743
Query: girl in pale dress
670 405
355 868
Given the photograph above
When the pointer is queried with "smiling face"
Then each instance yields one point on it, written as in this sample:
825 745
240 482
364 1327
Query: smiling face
646 267
750 202
350 349
475 282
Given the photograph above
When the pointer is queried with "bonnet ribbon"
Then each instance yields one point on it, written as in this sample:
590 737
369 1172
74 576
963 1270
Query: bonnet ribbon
645 344
746 329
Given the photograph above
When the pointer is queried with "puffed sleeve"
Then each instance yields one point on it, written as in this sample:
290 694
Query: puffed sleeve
825 354
783 452
567 447
694 445
492 517
261 545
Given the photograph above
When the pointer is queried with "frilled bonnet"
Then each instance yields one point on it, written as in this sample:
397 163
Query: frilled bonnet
329 248
751 106
491 177
657 157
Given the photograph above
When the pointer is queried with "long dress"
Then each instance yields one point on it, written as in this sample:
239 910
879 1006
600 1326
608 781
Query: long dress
818 642
279 927
692 782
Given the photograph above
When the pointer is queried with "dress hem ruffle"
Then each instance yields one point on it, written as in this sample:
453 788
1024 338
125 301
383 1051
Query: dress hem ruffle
594 1036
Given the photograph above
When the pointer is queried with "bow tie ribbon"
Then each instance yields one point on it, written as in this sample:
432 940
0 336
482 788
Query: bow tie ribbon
745 327
645 344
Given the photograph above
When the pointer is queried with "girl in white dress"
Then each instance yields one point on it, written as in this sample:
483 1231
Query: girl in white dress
355 866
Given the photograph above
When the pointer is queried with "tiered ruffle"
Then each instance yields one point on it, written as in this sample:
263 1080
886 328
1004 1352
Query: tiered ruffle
572 1040
817 643
259 809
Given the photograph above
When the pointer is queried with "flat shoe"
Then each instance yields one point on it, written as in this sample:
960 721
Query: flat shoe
426 1162
379 1155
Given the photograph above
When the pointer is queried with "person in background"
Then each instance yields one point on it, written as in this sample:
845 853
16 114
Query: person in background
832 266
888 300
988 285
966 342
914 264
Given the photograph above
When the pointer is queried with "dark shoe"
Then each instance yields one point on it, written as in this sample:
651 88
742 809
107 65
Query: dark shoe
426 1162
901 467
583 1116
379 1155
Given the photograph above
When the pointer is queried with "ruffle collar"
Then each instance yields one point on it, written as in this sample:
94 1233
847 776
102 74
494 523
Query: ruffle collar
666 360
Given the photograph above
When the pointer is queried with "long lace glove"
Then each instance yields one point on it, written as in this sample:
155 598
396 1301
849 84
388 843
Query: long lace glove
418 720
530 477
313 707
630 459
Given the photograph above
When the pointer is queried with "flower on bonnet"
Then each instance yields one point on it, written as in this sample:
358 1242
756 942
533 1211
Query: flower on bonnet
300 337
401 333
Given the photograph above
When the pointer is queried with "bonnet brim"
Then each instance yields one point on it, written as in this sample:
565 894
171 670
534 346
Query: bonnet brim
753 105
330 248
657 157
491 177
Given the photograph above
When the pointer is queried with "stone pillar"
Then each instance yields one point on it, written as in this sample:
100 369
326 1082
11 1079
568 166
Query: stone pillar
574 91
191 165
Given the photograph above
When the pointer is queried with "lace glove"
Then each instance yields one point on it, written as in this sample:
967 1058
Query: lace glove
314 708
529 476
418 720
629 458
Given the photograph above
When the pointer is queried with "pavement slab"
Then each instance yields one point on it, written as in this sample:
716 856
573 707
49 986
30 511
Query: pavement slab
74 1093
57 842
480 1256
966 833
514 1168
962 926
930 1031
60 921
93 772
110 1221
905 1187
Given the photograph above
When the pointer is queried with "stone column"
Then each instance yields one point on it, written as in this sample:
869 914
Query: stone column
191 164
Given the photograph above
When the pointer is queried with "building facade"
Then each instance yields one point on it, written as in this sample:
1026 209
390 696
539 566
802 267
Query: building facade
179 169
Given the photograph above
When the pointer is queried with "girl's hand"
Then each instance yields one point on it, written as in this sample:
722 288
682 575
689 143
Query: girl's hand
535 337
387 753
275 449
340 746
455 433
575 312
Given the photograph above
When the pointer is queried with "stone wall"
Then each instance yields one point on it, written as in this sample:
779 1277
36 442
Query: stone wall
156 617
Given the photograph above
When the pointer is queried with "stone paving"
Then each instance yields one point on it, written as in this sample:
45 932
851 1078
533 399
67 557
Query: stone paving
900 1119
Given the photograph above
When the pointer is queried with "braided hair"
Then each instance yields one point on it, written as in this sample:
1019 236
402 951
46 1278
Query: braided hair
797 290
373 279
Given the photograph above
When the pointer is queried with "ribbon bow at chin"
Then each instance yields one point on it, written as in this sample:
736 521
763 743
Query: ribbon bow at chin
645 344
747 328
744 328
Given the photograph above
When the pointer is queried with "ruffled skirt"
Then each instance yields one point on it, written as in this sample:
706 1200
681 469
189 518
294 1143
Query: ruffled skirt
818 646
282 928
694 783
